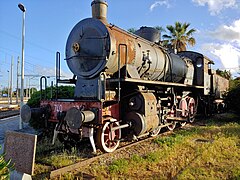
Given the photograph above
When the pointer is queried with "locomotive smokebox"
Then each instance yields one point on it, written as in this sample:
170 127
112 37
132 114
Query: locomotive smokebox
99 10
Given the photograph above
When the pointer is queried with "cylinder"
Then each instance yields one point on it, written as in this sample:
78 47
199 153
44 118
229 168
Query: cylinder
99 10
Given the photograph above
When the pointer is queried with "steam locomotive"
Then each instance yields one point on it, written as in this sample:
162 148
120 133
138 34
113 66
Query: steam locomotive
126 85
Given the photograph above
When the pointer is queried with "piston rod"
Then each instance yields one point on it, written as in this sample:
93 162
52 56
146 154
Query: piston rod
120 127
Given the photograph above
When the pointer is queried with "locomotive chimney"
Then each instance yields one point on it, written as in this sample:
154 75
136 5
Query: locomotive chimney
99 10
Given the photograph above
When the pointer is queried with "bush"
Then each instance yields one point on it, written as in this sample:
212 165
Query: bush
233 96
64 92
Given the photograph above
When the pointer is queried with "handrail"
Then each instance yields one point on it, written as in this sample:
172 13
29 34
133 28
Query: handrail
119 64
57 71
41 90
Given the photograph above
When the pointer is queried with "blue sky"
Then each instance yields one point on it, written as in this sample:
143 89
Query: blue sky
48 23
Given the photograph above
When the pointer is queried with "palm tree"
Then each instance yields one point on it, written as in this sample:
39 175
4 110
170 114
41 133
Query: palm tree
179 36
131 30
160 29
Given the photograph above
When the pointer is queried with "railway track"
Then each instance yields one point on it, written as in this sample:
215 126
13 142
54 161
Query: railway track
123 149
5 113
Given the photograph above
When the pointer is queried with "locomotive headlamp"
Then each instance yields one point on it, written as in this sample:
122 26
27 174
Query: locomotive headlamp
76 47
131 103
199 62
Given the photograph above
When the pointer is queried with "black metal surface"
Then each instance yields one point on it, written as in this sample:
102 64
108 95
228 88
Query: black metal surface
73 118
43 96
94 45
57 72
149 33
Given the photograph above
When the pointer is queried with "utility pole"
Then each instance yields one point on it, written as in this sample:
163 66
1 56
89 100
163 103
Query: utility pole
8 86
11 81
26 89
18 62
23 9
29 88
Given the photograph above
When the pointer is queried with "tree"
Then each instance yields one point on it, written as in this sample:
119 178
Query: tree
233 96
64 92
160 29
179 37
132 30
226 74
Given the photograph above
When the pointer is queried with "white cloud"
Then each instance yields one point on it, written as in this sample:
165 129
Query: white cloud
229 56
50 72
216 6
227 48
160 3
228 33
227 53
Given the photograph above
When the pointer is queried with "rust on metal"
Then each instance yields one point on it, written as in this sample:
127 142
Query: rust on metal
123 38
60 106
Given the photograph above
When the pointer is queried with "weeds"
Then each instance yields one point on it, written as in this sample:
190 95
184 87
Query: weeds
119 166
137 159
180 156
170 141
49 157
203 152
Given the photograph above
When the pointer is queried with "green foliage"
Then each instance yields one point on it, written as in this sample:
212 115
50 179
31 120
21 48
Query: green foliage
201 152
152 157
131 30
5 167
224 73
59 159
160 29
68 176
233 96
119 166
136 158
234 83
179 36
169 141
63 93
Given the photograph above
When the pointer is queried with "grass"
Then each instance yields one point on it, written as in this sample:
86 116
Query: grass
50 157
203 152
200 152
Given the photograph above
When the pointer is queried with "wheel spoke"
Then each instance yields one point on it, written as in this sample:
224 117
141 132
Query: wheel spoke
192 109
107 139
171 126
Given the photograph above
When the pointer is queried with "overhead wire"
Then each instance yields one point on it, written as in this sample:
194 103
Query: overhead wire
27 42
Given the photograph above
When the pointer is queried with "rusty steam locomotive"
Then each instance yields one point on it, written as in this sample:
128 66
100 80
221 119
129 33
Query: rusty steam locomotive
126 85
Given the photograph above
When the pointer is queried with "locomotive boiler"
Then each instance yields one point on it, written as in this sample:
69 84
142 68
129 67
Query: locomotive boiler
126 85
